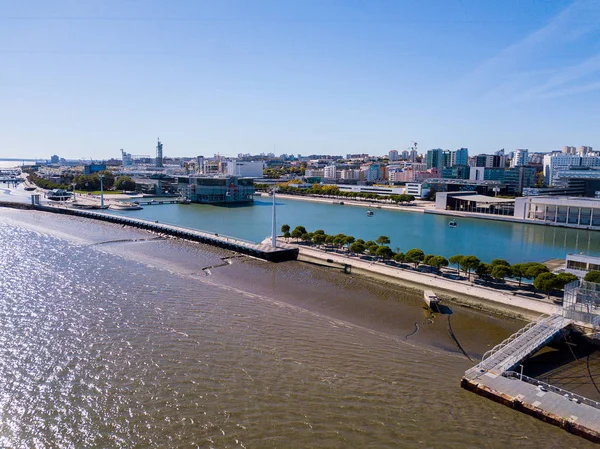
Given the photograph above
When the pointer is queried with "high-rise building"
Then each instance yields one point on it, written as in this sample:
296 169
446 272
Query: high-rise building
405 155
553 163
393 155
569 150
330 172
159 154
54 159
435 159
126 158
413 155
583 150
520 158
460 157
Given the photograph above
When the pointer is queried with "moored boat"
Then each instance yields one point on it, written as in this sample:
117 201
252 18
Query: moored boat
431 299
370 213
123 205
452 224
58 195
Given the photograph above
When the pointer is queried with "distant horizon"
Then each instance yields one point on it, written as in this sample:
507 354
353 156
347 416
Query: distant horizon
84 79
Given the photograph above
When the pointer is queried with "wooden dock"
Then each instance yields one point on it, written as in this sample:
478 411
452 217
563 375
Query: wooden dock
493 378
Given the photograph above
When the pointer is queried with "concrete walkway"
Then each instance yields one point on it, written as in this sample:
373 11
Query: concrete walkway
526 307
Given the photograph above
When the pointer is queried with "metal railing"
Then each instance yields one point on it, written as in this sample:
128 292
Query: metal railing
567 394
500 358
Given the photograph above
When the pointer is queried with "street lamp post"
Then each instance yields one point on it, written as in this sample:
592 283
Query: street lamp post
274 223
101 191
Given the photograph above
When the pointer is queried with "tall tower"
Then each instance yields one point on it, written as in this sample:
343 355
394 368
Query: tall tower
159 156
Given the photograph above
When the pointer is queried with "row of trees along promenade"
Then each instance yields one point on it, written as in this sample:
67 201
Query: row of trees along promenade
332 191
493 274
86 183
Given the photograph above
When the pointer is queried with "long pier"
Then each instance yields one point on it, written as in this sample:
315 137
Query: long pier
495 379
281 253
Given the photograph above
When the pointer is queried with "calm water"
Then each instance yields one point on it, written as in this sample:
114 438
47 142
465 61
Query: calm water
486 239
110 337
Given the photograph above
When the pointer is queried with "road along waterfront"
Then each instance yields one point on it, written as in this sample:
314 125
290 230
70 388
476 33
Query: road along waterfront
115 337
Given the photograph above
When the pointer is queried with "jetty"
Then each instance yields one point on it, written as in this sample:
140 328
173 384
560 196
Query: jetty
494 377
280 253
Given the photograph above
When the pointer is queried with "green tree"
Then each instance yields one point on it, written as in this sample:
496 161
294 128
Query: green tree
500 272
592 276
546 282
427 260
497 262
124 183
564 279
534 269
357 248
373 249
519 271
469 263
385 252
349 240
455 260
318 239
483 270
297 232
399 257
383 240
438 262
285 228
415 256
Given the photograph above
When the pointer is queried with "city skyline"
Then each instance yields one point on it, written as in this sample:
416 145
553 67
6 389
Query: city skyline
85 80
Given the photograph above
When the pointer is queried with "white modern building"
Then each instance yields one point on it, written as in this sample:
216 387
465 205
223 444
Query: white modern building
378 190
330 172
520 158
559 210
555 162
417 189
580 264
245 169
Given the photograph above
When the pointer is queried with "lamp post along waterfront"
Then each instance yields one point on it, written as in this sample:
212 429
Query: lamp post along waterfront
274 224
101 191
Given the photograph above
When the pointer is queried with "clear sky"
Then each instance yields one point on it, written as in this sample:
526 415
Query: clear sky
84 78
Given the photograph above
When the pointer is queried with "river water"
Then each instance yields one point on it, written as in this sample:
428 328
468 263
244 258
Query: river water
114 337
487 239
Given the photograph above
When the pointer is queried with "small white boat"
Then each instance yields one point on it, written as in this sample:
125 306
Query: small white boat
452 224
431 299
370 213
123 205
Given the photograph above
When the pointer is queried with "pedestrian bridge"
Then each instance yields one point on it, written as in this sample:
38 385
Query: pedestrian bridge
528 340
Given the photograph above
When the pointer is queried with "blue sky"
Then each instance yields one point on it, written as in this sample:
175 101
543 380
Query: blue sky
83 79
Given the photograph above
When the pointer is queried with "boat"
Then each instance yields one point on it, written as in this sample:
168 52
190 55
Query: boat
452 224
370 213
58 195
184 201
86 206
123 205
431 299
29 188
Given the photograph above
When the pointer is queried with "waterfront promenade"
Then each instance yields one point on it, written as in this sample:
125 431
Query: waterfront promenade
461 291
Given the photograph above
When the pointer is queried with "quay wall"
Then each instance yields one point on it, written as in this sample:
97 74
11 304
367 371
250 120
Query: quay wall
529 409
230 243
468 296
